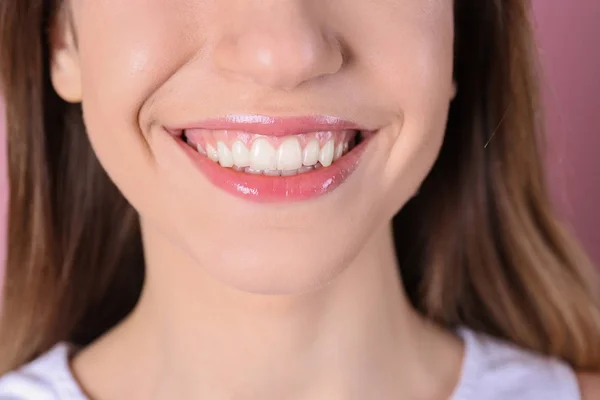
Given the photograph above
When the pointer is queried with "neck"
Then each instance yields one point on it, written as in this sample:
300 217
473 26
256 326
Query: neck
358 337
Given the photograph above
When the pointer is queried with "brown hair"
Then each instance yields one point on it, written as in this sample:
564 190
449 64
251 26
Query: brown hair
479 246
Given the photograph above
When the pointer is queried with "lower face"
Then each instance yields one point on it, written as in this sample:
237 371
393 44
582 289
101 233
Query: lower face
266 141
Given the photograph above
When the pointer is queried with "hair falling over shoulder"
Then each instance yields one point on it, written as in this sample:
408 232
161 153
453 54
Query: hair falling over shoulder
489 252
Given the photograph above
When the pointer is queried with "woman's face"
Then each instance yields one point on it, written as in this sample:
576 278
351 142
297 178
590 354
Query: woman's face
262 88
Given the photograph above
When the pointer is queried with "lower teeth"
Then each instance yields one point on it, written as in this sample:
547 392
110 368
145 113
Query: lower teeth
249 170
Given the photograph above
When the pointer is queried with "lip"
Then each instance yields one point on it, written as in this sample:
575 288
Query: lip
272 126
278 189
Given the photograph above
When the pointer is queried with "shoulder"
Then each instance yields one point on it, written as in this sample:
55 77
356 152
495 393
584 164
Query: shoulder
590 385
500 370
46 378
19 385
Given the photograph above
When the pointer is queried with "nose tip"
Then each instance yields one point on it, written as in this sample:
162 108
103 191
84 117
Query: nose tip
277 55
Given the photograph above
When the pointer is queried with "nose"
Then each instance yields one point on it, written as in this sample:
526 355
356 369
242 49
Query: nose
275 43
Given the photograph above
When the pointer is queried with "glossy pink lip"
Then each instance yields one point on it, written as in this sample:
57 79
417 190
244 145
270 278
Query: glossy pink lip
260 188
271 126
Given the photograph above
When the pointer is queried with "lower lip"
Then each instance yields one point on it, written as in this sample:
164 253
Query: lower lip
261 188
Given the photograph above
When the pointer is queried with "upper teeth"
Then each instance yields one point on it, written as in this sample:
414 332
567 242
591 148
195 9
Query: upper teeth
241 156
310 156
289 155
263 156
327 154
225 156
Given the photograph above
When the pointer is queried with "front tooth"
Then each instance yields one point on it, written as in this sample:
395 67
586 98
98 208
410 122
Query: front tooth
225 156
289 156
263 156
212 153
339 150
311 153
241 155
326 155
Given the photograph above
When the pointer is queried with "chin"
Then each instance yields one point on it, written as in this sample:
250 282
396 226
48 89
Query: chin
278 269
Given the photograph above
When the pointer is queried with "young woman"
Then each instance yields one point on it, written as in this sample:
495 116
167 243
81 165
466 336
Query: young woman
300 199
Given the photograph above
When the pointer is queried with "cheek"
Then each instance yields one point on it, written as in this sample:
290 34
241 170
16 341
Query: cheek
411 65
412 62
127 50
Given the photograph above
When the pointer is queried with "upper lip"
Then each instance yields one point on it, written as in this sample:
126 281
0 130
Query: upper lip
272 126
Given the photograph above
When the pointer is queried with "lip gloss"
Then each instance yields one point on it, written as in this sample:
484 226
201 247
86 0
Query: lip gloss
261 188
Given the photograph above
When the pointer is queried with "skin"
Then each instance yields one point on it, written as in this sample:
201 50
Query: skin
254 301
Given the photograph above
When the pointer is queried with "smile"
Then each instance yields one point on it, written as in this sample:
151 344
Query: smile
271 159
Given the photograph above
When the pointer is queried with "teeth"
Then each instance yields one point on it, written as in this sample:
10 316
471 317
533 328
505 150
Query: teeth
253 171
200 149
212 153
339 150
225 156
277 173
305 169
263 159
311 153
241 155
263 156
272 173
289 157
326 155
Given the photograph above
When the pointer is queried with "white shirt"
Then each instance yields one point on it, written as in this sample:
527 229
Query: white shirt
492 370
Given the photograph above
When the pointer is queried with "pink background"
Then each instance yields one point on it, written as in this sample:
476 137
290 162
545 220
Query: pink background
568 32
